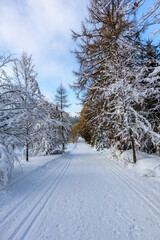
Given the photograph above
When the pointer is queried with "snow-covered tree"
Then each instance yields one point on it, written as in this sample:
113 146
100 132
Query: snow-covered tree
25 74
7 159
48 138
25 77
149 91
7 122
26 117
62 103
111 65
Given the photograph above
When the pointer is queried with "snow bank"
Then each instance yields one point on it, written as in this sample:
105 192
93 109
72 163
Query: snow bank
148 165
25 168
123 157
7 158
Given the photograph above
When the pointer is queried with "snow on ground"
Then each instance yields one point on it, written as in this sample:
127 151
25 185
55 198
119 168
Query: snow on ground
82 194
148 165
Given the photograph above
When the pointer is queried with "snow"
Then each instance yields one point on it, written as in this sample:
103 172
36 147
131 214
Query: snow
7 158
148 165
27 168
82 194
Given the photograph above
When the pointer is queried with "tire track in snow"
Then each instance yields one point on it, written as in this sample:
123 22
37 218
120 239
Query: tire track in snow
24 226
153 206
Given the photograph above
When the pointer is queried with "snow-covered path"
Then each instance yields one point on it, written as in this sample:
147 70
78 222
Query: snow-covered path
81 195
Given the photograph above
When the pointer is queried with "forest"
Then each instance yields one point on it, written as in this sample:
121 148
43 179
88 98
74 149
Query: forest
118 79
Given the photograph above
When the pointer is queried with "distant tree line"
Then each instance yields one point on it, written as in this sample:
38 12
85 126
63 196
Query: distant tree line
118 78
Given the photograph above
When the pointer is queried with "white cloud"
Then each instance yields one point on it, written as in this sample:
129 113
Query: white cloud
34 25
42 27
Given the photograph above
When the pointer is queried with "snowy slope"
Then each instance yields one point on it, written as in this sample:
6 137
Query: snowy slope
81 195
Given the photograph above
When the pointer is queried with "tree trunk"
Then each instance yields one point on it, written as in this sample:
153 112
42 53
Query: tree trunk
63 146
27 151
63 138
133 146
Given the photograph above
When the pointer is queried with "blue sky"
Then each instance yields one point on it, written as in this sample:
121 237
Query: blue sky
43 28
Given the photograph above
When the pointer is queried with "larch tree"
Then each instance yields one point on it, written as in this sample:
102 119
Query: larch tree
109 54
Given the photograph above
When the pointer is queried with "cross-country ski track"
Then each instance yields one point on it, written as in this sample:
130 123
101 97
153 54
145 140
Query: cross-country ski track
81 195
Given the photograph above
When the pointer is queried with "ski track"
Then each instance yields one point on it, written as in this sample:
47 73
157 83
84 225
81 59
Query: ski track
23 228
83 196
152 204
38 205
22 203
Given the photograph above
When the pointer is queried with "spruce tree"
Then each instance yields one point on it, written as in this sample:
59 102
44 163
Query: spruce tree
62 103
